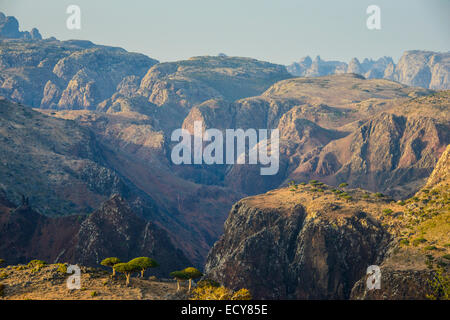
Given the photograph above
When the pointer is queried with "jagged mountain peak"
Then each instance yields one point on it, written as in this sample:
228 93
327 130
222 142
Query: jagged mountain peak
426 69
9 29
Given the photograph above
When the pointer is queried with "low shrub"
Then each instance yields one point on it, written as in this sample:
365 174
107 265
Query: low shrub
418 241
404 242
62 268
208 282
36 263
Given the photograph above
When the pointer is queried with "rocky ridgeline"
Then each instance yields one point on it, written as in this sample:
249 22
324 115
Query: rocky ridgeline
424 69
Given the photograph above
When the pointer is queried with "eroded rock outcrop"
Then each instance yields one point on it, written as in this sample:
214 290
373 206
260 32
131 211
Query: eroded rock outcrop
425 69
9 29
112 230
297 245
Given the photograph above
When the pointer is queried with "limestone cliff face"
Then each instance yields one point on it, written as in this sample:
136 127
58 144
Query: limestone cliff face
441 173
294 245
176 87
425 69
65 74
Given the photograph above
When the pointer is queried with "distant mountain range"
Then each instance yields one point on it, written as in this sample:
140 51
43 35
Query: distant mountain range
424 69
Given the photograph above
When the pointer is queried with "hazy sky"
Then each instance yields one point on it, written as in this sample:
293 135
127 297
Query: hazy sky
280 31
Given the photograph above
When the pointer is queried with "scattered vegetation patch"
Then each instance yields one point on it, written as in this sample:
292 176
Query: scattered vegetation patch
440 285
418 241
404 242
36 263
214 292
62 268
293 186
